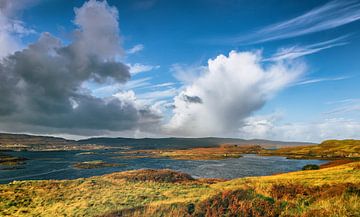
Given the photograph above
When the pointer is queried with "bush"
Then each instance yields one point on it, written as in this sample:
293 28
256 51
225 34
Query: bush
242 203
311 167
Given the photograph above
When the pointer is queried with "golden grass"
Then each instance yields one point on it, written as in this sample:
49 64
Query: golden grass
156 193
95 164
211 153
330 149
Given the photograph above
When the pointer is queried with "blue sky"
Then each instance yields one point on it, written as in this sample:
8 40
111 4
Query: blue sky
314 47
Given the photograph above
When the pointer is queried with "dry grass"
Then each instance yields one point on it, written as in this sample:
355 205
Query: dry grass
331 191
330 149
95 164
326 192
212 153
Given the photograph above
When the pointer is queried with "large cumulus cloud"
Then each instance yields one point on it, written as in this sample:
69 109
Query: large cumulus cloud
228 91
41 85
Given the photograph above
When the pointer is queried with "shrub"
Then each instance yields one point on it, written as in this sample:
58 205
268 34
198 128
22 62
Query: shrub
311 167
238 203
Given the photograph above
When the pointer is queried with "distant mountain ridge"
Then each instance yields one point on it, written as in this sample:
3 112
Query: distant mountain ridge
176 142
141 143
10 138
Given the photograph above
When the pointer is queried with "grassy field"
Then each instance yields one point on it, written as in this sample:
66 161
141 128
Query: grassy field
330 149
333 191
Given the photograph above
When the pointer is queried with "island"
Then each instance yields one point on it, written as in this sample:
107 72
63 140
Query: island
8 160
95 164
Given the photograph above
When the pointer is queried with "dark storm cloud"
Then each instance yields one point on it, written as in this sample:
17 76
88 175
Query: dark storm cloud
192 99
42 84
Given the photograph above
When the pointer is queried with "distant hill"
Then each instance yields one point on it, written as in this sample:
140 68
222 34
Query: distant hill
175 142
24 139
143 143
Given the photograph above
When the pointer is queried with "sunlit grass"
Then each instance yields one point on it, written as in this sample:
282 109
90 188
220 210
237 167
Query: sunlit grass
115 192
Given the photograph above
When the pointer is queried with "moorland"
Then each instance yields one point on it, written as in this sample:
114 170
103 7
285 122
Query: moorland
332 190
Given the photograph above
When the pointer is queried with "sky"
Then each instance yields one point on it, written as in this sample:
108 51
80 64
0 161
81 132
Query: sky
276 69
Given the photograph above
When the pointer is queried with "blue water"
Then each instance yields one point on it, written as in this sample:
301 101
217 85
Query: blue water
58 165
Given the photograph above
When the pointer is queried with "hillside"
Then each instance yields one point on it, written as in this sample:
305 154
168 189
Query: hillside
23 142
327 192
18 142
8 138
178 143
330 149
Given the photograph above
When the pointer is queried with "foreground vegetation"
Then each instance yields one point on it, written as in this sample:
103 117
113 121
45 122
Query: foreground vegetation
333 191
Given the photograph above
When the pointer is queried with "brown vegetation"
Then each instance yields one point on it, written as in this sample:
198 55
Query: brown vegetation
164 175
8 160
330 150
332 191
95 164
286 199
213 153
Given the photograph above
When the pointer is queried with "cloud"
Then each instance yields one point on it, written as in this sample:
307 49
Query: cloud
156 95
229 90
268 127
328 16
42 86
192 99
317 80
294 52
12 29
186 74
12 8
99 36
112 87
137 48
138 68
166 84
345 106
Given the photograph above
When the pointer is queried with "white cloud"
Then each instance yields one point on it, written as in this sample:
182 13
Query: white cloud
228 91
328 16
11 30
345 106
268 127
12 8
111 87
317 80
186 74
137 48
137 83
166 84
299 51
156 95
138 68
